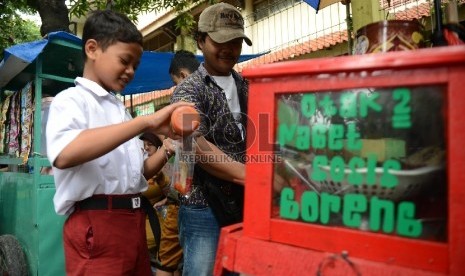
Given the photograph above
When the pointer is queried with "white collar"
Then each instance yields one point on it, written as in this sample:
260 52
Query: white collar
92 86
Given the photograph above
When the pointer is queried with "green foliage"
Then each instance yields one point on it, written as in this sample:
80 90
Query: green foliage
185 21
15 30
132 8
9 7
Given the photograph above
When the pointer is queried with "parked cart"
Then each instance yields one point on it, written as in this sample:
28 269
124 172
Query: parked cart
372 150
30 230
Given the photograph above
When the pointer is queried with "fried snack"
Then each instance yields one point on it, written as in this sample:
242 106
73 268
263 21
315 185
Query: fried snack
429 156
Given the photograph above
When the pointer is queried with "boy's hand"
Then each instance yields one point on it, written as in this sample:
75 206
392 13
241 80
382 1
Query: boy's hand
160 203
169 145
159 122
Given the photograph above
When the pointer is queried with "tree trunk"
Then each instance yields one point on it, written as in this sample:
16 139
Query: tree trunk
54 16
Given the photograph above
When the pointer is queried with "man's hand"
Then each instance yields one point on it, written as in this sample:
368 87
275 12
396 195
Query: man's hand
279 183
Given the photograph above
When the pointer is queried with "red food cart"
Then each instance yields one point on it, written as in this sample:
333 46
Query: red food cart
371 151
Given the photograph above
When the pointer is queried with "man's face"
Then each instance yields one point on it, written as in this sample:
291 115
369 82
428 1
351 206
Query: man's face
220 58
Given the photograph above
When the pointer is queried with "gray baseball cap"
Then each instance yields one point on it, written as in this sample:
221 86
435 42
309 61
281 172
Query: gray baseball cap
223 22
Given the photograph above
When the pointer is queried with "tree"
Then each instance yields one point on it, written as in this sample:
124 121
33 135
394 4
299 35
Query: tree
55 14
15 29
133 8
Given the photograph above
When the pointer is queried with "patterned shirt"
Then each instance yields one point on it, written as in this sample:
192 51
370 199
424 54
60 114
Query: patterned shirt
217 125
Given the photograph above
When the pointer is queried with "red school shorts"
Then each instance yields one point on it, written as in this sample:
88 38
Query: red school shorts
106 242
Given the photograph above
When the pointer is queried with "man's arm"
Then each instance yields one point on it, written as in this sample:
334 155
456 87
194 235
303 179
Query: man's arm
218 163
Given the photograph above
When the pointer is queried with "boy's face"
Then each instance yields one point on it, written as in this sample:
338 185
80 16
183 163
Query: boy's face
113 68
220 58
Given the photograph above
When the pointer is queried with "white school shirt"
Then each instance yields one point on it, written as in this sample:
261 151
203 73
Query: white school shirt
88 105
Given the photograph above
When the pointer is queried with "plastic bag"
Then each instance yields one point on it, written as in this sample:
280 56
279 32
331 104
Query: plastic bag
183 166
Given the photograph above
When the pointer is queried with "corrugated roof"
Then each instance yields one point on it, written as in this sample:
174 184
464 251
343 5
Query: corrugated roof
160 97
422 10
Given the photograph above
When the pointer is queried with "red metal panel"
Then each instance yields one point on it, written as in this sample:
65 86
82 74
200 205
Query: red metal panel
257 209
226 252
256 257
456 161
371 246
423 58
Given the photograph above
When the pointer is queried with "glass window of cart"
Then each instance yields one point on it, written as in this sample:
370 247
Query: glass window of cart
366 159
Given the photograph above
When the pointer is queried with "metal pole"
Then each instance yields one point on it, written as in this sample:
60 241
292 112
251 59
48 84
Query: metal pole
132 106
438 38
349 28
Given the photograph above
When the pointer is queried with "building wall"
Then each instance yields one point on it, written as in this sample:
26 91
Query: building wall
289 22
291 29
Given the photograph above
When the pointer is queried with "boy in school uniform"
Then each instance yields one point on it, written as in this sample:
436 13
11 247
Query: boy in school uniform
99 167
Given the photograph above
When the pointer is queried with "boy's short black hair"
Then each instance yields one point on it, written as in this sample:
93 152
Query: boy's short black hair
108 27
183 59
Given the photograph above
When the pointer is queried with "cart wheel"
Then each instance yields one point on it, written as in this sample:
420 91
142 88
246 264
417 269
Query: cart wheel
12 261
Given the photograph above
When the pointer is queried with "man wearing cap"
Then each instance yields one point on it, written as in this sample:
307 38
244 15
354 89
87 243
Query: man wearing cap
220 95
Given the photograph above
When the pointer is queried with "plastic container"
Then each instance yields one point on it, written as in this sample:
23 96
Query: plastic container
183 167
185 120
389 36
410 183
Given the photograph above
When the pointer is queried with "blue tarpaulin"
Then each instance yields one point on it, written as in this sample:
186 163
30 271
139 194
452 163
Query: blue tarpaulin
152 73
16 58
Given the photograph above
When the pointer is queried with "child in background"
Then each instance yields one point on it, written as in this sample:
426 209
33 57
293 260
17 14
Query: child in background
182 65
157 185
99 168
169 259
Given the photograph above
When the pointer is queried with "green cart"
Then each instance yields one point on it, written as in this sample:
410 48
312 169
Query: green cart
30 230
